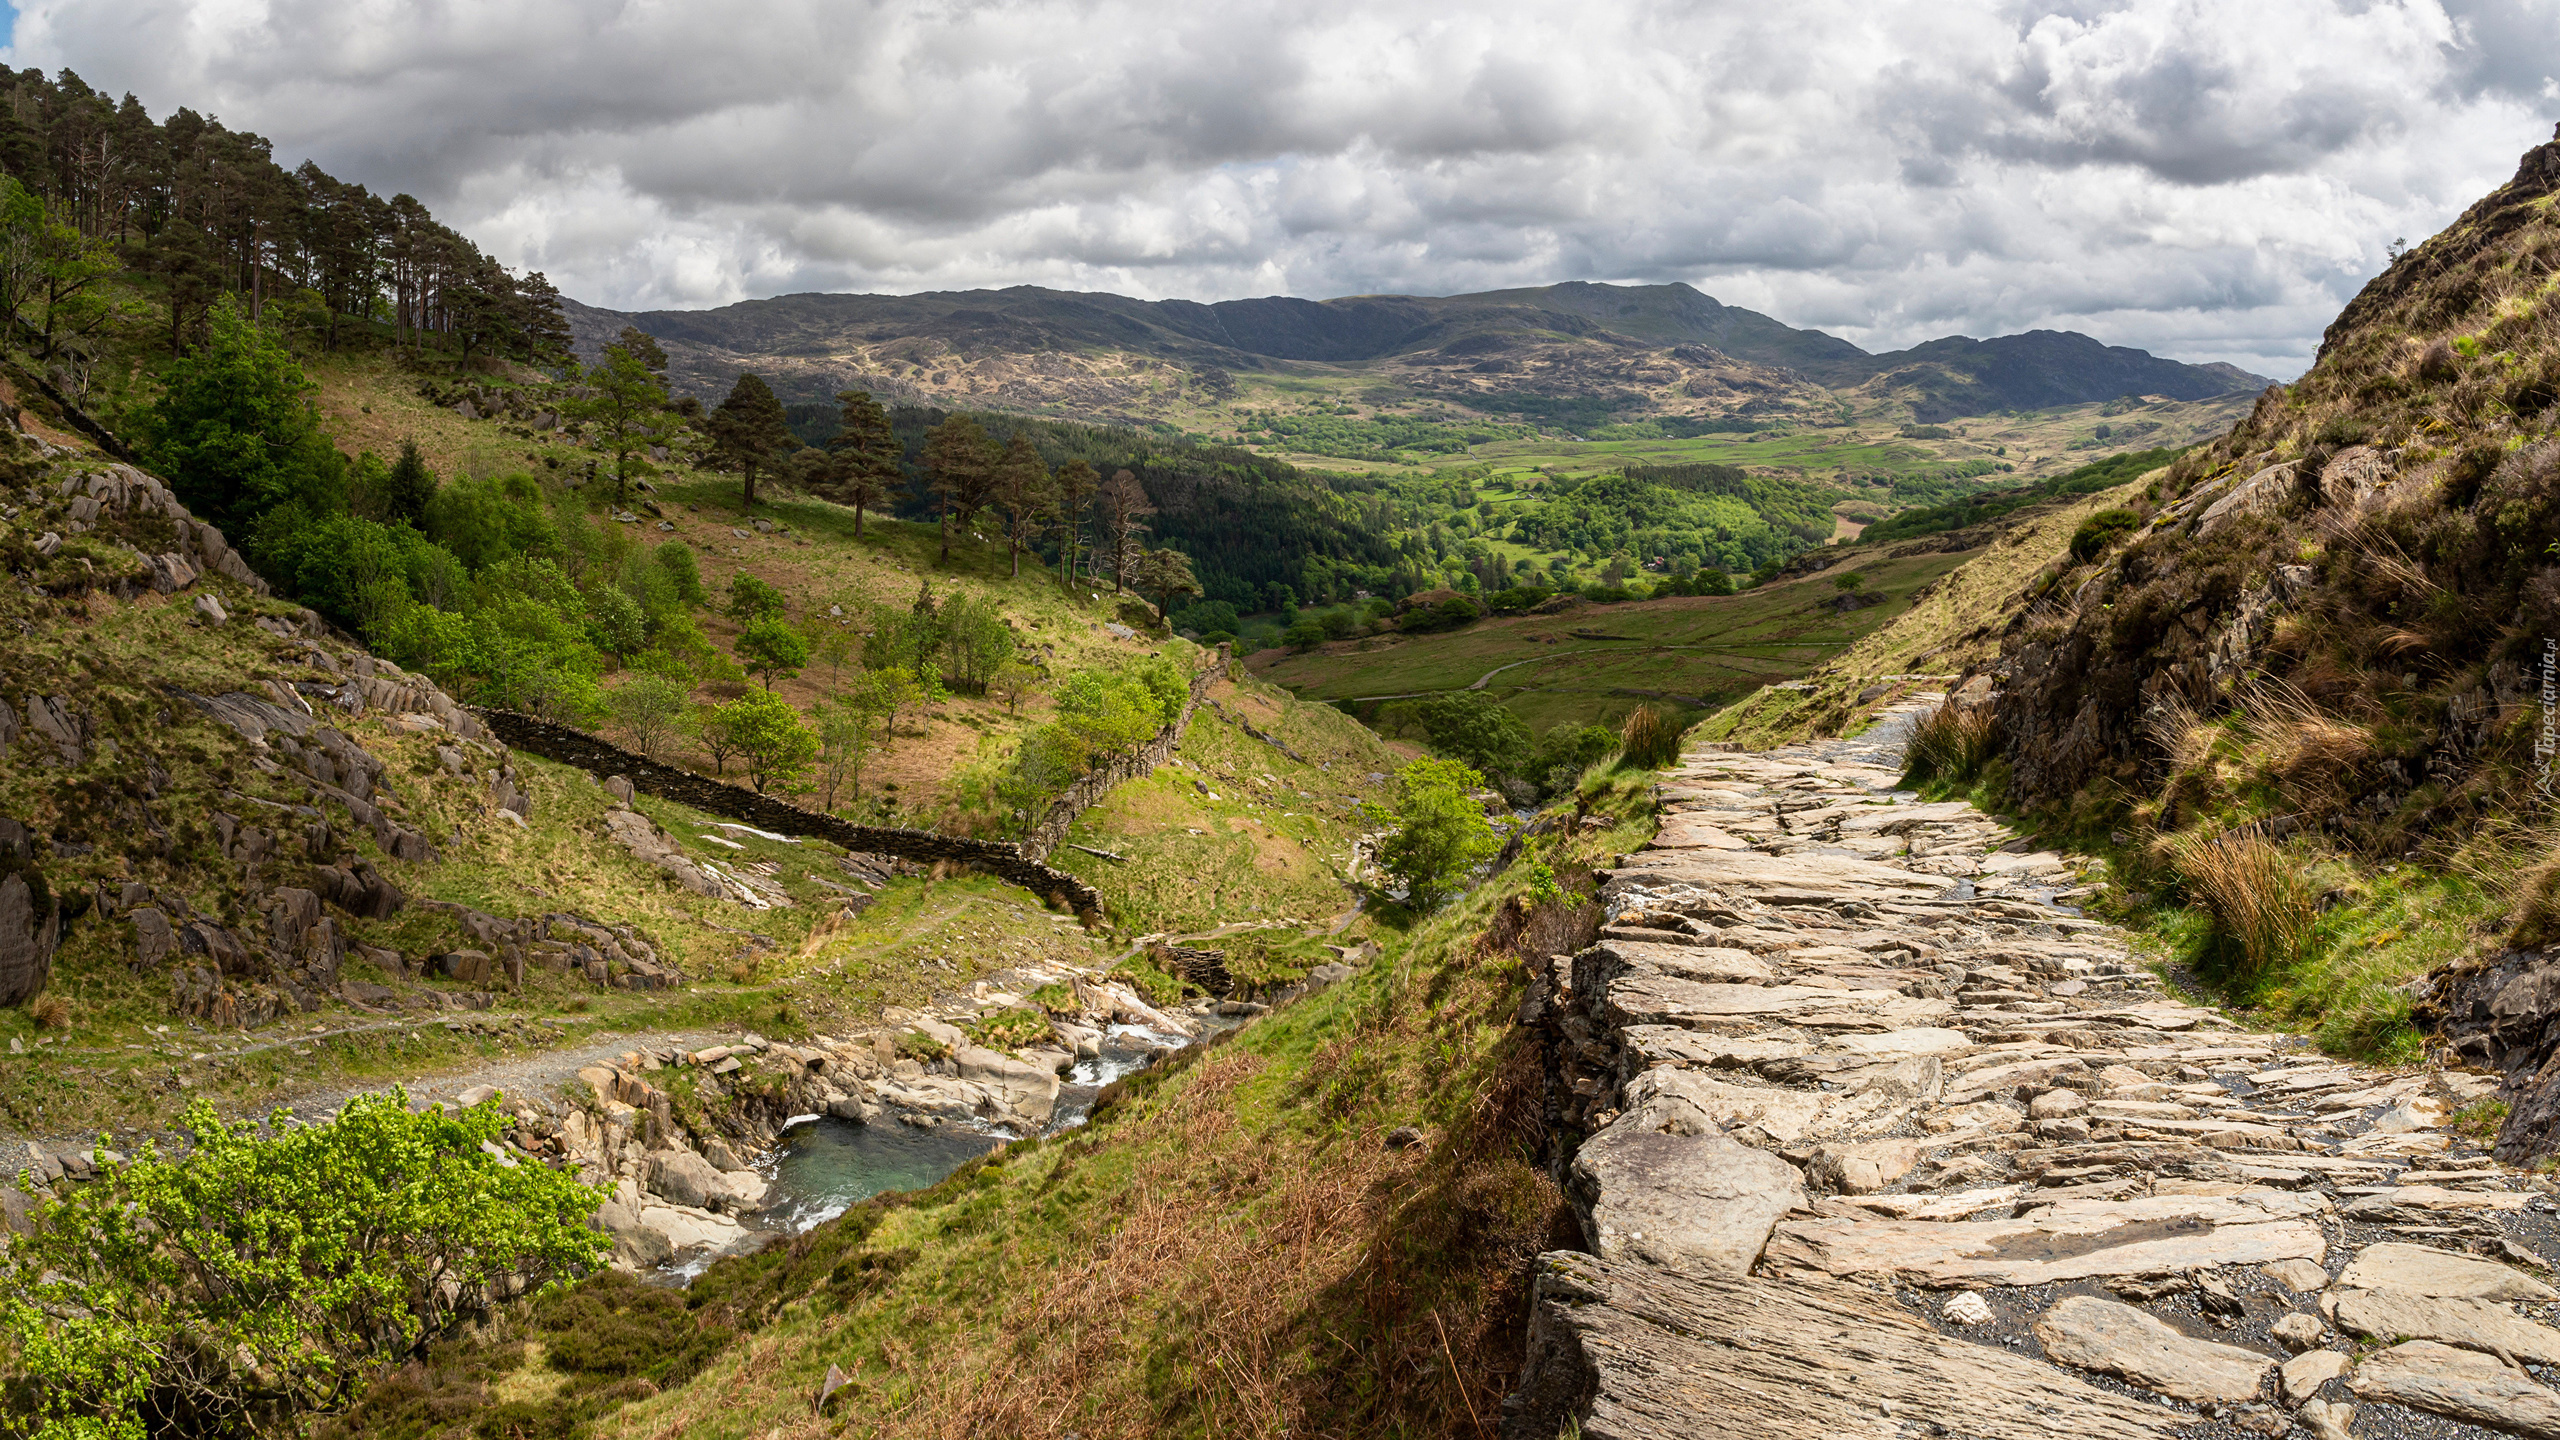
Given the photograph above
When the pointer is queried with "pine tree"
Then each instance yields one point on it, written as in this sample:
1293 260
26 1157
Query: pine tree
644 348
1164 573
1024 493
627 405
961 462
865 467
1076 482
411 485
749 432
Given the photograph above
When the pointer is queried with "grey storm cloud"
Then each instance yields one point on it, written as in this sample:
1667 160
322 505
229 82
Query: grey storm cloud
2205 180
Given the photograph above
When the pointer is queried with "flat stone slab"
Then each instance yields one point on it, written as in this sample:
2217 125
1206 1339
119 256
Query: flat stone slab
2073 1240
1752 875
2424 1270
1611 959
1696 832
1689 1103
1652 999
2434 1197
2116 1339
2484 1325
1624 1352
2460 1385
1692 1203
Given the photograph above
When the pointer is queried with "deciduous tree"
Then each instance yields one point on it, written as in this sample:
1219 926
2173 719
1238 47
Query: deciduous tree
1122 502
1440 834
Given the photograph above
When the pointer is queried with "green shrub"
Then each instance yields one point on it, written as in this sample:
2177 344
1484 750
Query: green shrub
1471 726
275 1272
1440 832
2100 531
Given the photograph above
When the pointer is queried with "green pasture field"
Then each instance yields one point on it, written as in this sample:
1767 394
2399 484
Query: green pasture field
1593 663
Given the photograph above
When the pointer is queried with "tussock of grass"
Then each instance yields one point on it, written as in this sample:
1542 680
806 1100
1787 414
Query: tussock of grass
1951 743
2255 891
1650 739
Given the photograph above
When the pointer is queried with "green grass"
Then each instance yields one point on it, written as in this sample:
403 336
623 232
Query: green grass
1700 651
1264 849
2386 927
1227 1248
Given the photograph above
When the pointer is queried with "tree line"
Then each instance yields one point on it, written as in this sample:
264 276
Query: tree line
199 210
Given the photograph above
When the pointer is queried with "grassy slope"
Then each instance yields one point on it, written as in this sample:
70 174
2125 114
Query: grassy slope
1702 649
815 559
777 970
1230 1249
1954 627
1238 832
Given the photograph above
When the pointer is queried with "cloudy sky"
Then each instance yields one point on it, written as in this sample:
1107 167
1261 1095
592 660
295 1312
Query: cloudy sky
2205 180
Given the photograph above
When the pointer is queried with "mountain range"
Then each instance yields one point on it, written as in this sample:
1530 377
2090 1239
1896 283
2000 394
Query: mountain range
1637 349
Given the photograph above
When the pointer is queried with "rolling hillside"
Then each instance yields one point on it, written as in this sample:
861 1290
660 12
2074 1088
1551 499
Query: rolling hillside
1578 353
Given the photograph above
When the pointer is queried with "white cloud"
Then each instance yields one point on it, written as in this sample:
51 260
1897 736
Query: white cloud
2205 180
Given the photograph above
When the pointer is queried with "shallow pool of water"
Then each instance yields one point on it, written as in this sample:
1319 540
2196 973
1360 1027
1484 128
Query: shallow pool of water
829 1166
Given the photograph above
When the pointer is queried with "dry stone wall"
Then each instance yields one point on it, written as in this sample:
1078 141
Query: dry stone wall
1003 859
1083 795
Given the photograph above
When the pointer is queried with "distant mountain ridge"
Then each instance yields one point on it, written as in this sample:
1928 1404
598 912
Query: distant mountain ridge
1940 379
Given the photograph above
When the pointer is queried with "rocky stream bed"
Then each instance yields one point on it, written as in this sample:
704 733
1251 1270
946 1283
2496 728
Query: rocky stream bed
1885 1138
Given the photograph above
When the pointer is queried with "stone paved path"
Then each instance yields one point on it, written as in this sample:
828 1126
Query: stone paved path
1884 1139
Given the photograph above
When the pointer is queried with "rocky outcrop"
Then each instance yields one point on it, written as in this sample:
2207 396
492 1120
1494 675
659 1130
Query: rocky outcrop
2410 465
1869 1132
30 928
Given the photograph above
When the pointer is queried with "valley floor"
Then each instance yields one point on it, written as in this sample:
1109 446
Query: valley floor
1885 1135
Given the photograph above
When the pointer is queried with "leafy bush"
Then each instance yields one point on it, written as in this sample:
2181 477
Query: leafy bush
1445 614
1566 751
751 599
1440 833
1472 727
763 730
273 1273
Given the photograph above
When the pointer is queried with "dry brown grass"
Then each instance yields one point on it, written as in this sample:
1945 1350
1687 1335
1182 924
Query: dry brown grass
1952 742
2255 891
2314 756
1650 738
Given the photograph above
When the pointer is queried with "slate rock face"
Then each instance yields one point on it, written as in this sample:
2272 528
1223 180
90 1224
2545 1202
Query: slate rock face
30 929
1691 1203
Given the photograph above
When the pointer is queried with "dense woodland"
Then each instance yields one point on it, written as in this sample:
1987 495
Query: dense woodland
201 211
